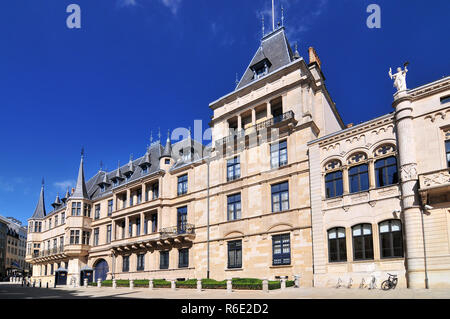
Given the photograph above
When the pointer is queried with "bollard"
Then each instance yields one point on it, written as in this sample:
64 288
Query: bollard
199 285
47 285
114 283
99 283
131 284
229 285
265 285
34 283
85 283
297 281
150 284
40 283
283 282
173 285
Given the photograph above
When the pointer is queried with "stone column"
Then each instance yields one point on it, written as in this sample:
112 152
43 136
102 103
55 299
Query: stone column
253 116
127 224
372 181
269 110
412 225
345 181
239 123
142 223
143 193
113 230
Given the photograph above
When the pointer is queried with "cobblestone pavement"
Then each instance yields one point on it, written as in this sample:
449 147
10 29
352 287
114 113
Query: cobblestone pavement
14 291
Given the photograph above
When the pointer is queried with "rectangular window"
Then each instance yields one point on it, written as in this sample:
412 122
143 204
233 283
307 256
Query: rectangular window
278 154
97 212
131 199
145 225
333 184
140 262
96 235
154 219
164 260
86 235
138 226
181 219
155 191
51 269
126 264
234 207
108 233
233 169
235 254
74 237
61 242
110 207
183 258
63 218
87 210
50 223
182 184
359 178
337 250
139 196
447 152
386 171
362 242
56 220
280 197
76 209
130 229
281 248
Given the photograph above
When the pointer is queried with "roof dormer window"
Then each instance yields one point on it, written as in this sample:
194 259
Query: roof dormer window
260 69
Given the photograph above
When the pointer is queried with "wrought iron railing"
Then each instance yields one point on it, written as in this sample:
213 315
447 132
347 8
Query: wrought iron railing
289 115
49 252
177 230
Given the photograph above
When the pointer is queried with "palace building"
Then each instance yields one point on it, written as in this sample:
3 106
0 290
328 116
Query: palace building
284 189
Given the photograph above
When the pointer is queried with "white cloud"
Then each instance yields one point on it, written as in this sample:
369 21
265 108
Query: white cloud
173 5
127 3
64 184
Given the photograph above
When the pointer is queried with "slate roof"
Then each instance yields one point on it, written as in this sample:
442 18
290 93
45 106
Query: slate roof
39 212
80 189
275 48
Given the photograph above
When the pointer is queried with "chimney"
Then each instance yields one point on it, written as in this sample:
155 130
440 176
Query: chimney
313 57
349 125
73 190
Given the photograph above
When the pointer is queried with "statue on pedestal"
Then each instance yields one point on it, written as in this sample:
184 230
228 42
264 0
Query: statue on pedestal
399 77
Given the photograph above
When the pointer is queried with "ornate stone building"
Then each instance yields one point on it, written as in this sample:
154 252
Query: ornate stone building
258 202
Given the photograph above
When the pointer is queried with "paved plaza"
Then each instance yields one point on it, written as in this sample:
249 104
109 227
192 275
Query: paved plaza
14 291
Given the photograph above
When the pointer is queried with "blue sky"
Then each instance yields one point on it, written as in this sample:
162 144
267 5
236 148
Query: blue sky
139 65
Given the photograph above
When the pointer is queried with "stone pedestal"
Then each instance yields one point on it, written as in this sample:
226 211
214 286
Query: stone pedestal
173 285
297 281
283 283
114 283
150 284
131 284
99 283
199 285
85 283
229 285
265 285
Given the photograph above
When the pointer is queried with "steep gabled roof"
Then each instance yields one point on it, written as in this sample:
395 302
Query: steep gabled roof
276 49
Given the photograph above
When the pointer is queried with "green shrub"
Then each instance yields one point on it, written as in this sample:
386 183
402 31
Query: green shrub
290 283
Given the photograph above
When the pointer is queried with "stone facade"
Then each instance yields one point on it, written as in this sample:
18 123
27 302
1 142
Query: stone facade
182 219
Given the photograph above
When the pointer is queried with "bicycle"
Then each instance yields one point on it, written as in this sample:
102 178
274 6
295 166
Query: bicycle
391 283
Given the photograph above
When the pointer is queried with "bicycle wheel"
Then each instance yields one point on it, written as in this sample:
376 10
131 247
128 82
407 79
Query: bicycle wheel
386 285
394 284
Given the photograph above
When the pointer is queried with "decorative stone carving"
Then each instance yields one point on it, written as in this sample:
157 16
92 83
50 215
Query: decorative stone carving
384 150
332 165
346 208
356 158
372 203
435 179
408 172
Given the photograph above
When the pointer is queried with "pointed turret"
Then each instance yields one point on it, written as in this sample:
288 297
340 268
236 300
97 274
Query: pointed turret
80 190
57 202
66 197
129 170
168 148
146 160
39 212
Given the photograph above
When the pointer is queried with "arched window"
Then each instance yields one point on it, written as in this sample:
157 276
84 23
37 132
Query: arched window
337 250
391 239
362 242
386 171
359 178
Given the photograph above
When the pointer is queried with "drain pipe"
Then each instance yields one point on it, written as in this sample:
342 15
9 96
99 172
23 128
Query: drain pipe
422 210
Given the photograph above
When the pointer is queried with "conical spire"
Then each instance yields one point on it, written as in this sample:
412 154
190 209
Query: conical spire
80 190
57 202
39 212
168 148
66 197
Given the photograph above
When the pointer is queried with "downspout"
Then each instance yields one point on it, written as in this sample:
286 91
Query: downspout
207 219
311 215
424 249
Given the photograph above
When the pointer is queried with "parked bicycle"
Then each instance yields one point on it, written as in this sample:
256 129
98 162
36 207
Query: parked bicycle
391 283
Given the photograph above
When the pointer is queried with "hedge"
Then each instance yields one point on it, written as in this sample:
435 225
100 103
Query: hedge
237 283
